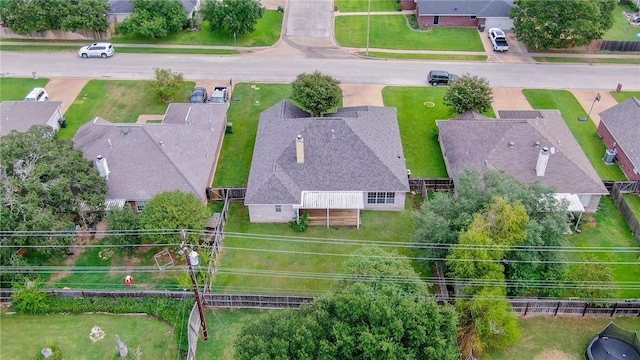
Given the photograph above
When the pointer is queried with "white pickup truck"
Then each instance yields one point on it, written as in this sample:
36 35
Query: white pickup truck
498 39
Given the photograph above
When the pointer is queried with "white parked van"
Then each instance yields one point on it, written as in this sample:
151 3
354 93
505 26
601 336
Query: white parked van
37 94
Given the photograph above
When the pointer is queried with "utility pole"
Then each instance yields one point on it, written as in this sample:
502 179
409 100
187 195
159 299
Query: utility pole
196 292
593 103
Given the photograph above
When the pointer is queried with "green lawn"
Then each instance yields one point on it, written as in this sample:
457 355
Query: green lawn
298 265
24 336
587 60
584 131
633 200
17 88
223 327
248 101
267 33
393 32
119 101
418 110
120 49
391 55
621 29
363 5
624 95
607 228
558 338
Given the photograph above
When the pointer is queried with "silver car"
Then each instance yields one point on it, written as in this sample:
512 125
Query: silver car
103 50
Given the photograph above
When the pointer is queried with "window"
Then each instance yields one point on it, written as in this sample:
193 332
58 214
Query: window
381 198
278 208
436 20
473 17
140 205
585 200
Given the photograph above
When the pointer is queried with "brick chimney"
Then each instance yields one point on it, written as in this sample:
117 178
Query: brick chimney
543 159
103 168
299 149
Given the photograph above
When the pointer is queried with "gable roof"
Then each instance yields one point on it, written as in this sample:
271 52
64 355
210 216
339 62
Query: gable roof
126 6
479 8
147 159
623 122
355 149
478 143
21 115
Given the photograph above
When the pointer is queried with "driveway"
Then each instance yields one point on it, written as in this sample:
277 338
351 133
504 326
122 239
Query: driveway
586 98
517 51
65 90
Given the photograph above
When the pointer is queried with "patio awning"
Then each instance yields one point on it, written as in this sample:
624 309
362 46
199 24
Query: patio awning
331 200
573 202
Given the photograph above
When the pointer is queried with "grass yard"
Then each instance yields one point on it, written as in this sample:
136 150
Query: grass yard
248 101
267 33
633 200
223 327
607 228
119 101
24 336
393 32
16 88
624 95
418 110
363 5
391 55
585 132
558 338
621 29
272 258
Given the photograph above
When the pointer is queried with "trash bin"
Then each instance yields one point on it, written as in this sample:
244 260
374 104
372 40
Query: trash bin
229 128
481 27
63 122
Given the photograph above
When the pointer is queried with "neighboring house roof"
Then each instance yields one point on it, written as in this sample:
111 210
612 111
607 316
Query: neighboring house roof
623 122
355 149
126 6
509 144
479 8
21 115
147 159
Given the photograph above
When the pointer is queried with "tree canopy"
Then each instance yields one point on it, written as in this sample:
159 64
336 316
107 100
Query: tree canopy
165 84
237 17
154 18
45 185
125 223
316 92
42 15
468 92
560 24
173 210
369 316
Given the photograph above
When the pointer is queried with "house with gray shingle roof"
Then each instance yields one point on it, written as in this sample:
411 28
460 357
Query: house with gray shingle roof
142 160
533 146
620 130
121 9
21 115
330 167
465 13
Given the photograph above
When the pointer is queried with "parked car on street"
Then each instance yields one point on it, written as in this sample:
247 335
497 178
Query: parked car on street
103 50
198 95
436 77
37 94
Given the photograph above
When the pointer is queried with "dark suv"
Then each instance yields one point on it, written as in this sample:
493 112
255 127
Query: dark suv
198 95
436 77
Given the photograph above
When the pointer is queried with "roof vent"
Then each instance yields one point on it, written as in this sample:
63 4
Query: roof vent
124 130
161 143
537 144
511 144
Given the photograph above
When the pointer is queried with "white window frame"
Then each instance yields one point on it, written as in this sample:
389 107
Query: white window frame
278 208
381 198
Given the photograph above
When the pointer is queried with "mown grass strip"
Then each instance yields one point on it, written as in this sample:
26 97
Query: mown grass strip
392 55
587 60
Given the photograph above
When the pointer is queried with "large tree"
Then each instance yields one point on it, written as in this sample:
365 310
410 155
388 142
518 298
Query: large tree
381 311
173 211
42 15
237 17
468 92
560 24
154 18
316 92
165 84
441 220
124 227
45 184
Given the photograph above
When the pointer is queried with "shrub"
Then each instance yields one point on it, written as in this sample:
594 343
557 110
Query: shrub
300 225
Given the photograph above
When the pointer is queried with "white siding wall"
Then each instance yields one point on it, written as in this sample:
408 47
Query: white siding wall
397 205
267 213
53 120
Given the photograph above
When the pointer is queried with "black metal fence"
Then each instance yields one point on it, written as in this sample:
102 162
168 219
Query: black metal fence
614 45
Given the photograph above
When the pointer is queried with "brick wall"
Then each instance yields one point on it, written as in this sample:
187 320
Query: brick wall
449 21
623 161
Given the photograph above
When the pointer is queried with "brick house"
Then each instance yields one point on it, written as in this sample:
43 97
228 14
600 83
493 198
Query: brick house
331 167
463 13
533 146
619 128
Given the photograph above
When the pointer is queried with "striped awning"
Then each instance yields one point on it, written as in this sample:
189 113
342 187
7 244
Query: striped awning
331 200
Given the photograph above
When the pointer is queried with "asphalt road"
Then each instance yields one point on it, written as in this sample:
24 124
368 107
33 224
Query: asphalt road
349 71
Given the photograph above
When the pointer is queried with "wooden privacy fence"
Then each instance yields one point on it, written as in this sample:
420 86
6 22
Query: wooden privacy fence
251 301
192 332
617 193
615 45
529 307
424 185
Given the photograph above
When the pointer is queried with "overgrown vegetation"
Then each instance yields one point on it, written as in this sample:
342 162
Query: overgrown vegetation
41 15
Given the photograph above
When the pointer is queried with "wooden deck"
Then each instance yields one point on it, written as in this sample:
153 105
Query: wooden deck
337 217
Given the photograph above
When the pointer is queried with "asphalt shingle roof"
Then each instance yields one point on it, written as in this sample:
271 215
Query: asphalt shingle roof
479 8
356 149
478 143
21 115
126 6
623 122
147 159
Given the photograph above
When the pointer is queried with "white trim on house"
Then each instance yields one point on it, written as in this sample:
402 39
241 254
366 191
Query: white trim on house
573 202
331 200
